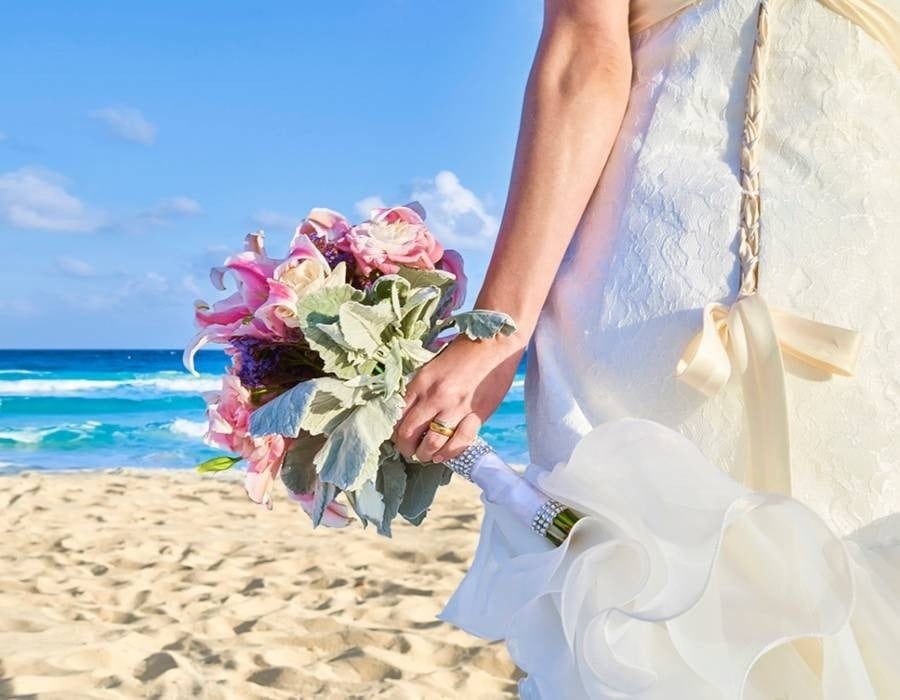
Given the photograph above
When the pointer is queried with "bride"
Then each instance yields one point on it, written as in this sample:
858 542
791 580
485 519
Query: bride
700 249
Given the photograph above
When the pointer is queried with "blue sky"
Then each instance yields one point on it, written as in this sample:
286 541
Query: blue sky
140 142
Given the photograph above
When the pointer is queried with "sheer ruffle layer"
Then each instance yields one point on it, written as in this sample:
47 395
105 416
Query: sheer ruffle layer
681 582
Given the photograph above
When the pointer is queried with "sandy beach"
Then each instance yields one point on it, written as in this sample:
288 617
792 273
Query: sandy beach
165 584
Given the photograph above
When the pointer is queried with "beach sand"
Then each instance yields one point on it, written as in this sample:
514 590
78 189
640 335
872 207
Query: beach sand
161 584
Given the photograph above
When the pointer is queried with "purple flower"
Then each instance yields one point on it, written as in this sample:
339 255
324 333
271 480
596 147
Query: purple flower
267 368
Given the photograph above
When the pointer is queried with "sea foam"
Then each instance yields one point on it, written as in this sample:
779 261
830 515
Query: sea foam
162 385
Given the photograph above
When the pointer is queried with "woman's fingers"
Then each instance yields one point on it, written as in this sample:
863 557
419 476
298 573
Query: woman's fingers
464 436
412 426
433 440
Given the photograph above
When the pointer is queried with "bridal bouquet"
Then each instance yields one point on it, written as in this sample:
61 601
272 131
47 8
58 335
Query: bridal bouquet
322 345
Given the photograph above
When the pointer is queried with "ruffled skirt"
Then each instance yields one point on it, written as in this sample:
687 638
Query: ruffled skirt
680 582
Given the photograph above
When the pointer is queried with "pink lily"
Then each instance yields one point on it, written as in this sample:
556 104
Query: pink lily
336 514
322 223
263 467
234 315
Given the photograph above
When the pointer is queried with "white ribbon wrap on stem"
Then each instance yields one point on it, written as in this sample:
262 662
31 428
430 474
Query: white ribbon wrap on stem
502 485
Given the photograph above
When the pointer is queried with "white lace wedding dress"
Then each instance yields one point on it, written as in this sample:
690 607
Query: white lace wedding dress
740 541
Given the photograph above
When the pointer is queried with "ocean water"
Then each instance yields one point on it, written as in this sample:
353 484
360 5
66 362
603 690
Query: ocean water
88 409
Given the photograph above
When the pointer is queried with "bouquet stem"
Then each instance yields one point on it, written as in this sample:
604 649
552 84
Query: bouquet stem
502 485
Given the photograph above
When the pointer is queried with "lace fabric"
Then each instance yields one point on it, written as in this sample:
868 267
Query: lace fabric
659 241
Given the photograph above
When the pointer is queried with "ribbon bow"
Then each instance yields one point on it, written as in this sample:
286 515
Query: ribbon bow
750 337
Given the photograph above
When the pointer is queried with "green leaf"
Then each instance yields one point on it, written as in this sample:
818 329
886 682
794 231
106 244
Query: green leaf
387 286
324 494
363 325
414 353
218 464
331 405
369 504
323 305
338 275
298 471
350 456
427 278
481 324
336 358
422 482
419 298
417 312
399 292
391 483
393 367
284 414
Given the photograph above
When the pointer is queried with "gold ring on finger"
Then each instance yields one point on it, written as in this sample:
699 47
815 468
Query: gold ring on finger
437 426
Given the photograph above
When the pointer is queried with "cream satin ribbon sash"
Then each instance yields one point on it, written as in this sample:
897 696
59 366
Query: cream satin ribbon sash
868 15
749 337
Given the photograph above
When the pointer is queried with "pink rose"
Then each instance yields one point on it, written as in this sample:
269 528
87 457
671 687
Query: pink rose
391 238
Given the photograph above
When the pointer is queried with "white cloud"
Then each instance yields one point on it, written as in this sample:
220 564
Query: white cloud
191 286
32 198
134 290
265 218
18 308
454 214
367 204
165 212
178 206
148 282
75 267
127 123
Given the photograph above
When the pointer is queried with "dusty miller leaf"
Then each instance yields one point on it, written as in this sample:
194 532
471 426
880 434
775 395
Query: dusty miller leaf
414 353
481 324
336 357
298 471
284 414
368 504
351 454
393 367
323 305
427 278
417 312
363 325
331 405
324 494
422 482
391 483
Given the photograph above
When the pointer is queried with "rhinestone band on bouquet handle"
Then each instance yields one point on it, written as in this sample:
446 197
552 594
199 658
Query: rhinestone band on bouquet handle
502 485
323 344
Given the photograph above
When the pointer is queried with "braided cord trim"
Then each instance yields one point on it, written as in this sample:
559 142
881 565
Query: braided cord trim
750 199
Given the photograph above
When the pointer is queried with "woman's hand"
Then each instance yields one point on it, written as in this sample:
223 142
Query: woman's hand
461 388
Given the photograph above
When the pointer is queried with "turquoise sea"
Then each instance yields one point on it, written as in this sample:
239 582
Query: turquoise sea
88 409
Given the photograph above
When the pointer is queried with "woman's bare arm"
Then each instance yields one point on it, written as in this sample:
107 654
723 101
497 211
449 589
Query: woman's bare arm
574 102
